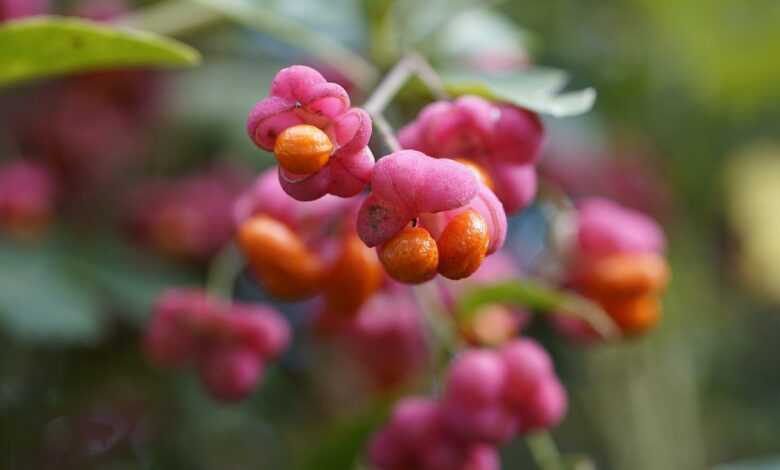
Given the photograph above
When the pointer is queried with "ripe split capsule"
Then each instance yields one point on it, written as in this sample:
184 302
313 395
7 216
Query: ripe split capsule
303 149
280 260
478 171
413 256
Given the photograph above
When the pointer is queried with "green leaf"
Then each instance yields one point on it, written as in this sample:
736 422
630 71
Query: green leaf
266 19
39 302
479 31
49 46
767 463
578 462
131 278
341 444
537 298
534 89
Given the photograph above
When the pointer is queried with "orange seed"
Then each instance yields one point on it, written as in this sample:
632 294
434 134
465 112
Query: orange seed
303 149
626 274
478 171
411 256
636 314
463 245
279 258
353 278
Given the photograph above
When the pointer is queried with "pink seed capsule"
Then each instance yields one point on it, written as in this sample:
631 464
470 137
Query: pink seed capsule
483 457
385 453
491 424
166 345
415 422
476 378
261 329
527 363
444 454
545 406
230 374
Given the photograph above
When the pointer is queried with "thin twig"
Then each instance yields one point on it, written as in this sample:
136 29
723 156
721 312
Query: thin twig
544 451
429 76
411 64
389 87
298 35
387 132
442 336
223 271
179 17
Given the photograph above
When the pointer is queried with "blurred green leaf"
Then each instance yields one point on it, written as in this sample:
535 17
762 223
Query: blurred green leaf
48 46
417 20
767 463
481 35
578 462
266 19
341 444
39 302
534 89
131 278
537 298
727 50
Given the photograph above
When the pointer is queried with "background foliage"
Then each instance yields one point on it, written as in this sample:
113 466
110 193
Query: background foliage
691 83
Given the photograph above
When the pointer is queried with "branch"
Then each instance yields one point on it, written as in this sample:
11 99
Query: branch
387 132
544 451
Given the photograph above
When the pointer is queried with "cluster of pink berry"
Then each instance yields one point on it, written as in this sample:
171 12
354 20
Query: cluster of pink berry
27 198
14 9
439 207
228 343
189 218
617 261
386 337
489 397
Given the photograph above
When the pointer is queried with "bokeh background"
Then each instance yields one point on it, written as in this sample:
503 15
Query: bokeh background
686 127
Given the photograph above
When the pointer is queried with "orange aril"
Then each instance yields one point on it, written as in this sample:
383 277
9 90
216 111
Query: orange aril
303 149
478 171
463 245
625 274
279 258
353 278
411 256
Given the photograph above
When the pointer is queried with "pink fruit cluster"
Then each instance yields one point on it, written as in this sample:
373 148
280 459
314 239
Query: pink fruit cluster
387 338
501 139
309 219
605 228
489 397
27 197
617 260
409 185
300 95
15 9
189 218
228 343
